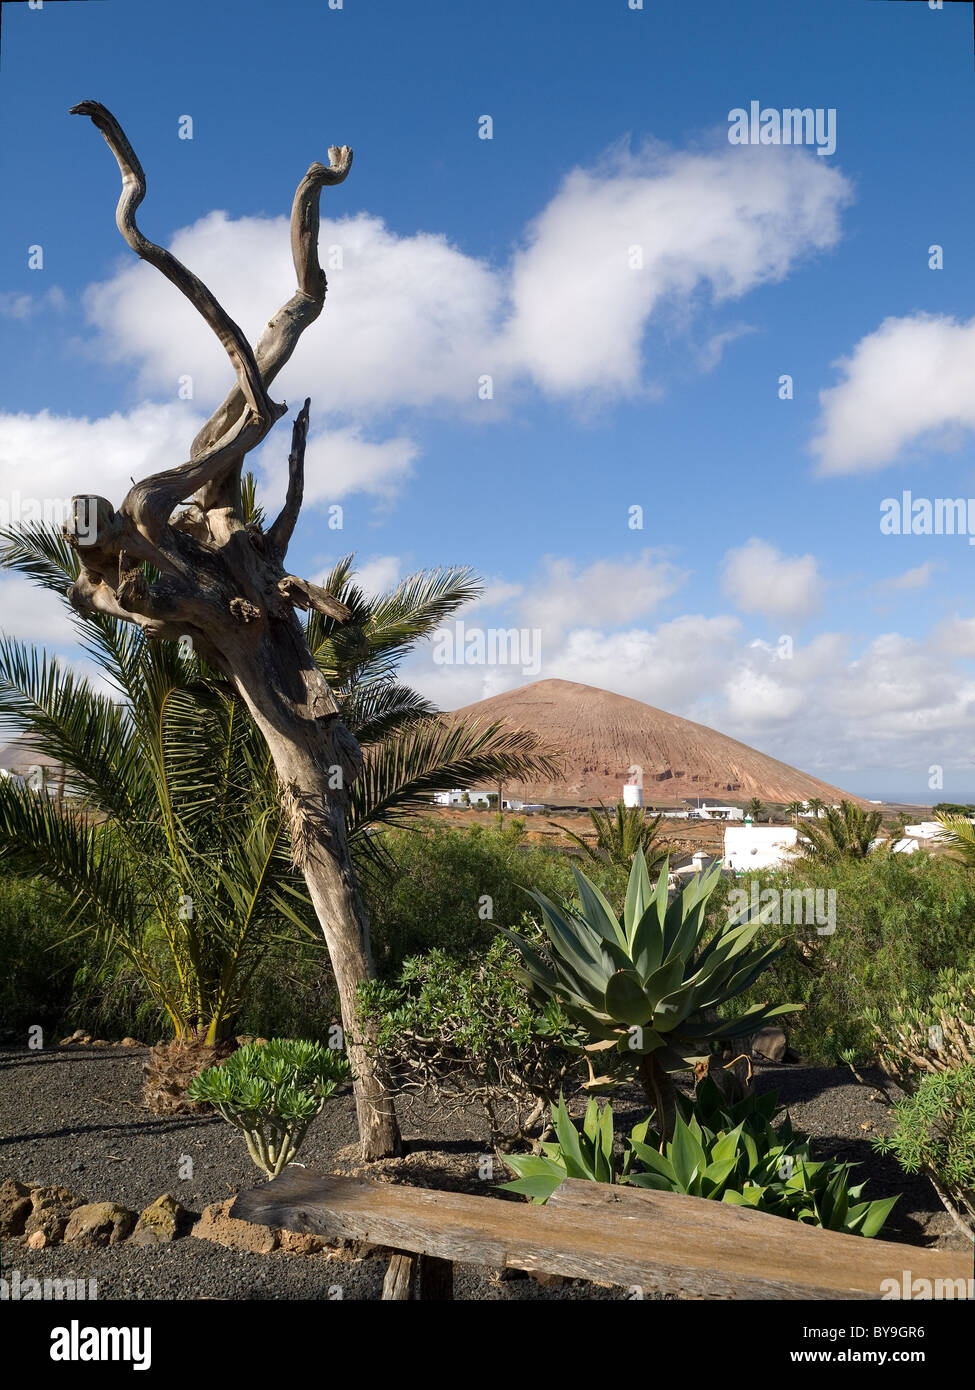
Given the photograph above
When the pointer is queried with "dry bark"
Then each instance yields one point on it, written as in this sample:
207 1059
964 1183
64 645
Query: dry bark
204 573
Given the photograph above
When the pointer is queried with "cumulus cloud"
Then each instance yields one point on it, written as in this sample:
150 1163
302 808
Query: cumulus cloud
617 242
415 321
907 383
607 593
762 580
46 458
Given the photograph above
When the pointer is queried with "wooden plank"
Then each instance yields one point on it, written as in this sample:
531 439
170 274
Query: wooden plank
658 1242
398 1284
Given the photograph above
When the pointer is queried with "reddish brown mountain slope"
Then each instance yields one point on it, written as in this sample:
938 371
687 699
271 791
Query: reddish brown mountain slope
601 735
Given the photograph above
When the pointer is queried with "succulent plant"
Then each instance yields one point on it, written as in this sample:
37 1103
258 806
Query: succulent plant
649 987
725 1153
272 1092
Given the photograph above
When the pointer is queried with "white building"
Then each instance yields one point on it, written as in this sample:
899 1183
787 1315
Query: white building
749 847
460 796
706 812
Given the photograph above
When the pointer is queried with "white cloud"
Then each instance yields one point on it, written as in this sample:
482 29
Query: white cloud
378 575
720 222
608 593
911 580
339 462
762 580
23 305
45 458
906 383
405 319
33 614
412 321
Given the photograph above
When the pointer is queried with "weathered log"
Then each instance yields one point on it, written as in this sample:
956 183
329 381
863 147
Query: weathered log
656 1242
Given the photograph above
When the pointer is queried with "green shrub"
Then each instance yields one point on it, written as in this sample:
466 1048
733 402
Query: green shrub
935 1133
464 1032
900 921
925 1036
37 963
733 1153
272 1092
451 889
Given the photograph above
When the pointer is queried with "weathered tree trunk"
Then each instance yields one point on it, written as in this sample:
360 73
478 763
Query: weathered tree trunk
316 758
207 574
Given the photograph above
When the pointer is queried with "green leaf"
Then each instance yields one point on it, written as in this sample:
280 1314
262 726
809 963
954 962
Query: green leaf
627 1000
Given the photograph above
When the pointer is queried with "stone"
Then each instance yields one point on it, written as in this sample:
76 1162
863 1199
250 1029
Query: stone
771 1044
52 1208
37 1241
162 1221
297 1244
16 1206
99 1224
100 1042
217 1225
130 1042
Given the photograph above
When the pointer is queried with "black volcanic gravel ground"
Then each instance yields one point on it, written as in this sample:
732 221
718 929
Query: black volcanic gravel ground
71 1116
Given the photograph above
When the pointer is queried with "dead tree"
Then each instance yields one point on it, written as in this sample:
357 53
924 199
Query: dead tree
200 570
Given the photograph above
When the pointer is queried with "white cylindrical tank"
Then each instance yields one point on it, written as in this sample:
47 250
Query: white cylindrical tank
632 794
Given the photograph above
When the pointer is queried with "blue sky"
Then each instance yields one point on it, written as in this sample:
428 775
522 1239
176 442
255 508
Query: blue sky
614 385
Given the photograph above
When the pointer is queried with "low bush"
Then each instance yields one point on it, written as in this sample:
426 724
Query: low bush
451 889
935 1133
901 920
37 963
465 1033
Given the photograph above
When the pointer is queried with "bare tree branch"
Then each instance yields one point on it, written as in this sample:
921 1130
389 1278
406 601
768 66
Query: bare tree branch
249 379
280 336
280 532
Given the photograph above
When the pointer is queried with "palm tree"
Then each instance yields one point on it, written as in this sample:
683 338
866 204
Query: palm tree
755 808
815 805
844 833
173 845
619 834
795 809
958 832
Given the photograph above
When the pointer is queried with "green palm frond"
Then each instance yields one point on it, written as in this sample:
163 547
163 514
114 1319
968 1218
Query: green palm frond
401 772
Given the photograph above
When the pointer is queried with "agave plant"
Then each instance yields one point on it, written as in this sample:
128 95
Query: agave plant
271 1092
724 1153
648 988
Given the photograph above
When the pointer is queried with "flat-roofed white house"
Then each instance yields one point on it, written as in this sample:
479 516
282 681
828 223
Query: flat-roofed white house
461 796
749 847
706 812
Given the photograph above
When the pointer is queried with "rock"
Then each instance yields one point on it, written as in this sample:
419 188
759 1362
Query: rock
217 1225
297 1244
130 1042
101 1042
164 1220
770 1043
52 1208
15 1207
37 1241
99 1224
